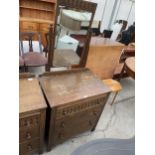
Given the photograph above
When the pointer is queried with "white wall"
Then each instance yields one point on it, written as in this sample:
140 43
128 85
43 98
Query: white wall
122 12
126 11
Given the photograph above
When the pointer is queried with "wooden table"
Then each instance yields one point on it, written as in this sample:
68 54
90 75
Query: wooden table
129 66
76 99
32 111
103 56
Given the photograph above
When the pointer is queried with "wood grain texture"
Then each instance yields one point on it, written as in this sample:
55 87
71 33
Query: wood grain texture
103 57
30 95
71 86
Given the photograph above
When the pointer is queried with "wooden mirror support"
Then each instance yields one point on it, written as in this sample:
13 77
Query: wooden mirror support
76 5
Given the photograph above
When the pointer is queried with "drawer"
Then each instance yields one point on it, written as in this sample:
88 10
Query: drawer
30 121
29 147
44 28
29 26
28 134
68 121
73 129
78 123
62 112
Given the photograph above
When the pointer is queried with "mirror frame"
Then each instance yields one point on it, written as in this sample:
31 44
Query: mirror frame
77 5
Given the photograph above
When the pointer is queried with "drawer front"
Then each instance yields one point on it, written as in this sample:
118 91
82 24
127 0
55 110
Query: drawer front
62 112
44 28
28 134
29 147
29 26
73 125
30 121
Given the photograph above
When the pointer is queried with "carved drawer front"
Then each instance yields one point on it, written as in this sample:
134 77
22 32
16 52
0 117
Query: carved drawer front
29 26
28 134
79 107
30 121
44 27
29 147
75 124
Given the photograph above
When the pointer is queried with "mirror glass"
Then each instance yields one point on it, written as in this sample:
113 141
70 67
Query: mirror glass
71 31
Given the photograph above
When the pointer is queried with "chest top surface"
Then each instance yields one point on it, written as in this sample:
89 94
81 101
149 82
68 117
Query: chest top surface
100 41
71 86
30 95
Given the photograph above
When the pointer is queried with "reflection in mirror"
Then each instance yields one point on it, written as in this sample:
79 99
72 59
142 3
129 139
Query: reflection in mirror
72 32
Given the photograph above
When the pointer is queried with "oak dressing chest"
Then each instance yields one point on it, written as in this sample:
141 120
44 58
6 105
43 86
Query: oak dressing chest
76 99
32 113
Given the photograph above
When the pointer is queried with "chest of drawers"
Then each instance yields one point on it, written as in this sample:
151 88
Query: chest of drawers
76 99
31 117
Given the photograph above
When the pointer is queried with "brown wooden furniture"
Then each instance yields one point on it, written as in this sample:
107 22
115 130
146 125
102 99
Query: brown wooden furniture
36 16
76 99
32 112
32 58
114 85
103 57
129 67
128 51
81 6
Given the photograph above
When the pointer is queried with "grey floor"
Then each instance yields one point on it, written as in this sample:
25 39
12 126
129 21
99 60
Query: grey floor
116 121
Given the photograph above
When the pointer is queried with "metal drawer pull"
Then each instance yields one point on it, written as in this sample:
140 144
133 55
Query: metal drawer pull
28 135
29 147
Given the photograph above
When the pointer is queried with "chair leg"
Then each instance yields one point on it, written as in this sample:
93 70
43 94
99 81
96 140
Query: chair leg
26 68
121 74
114 98
47 68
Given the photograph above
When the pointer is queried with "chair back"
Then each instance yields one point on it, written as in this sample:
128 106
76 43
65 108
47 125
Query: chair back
28 40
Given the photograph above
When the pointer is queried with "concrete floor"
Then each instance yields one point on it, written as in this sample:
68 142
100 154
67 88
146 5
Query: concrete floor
116 121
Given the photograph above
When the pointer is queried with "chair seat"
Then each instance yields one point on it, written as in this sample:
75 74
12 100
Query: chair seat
34 59
113 84
21 61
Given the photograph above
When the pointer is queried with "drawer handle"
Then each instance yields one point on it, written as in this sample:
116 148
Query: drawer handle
28 135
29 147
62 125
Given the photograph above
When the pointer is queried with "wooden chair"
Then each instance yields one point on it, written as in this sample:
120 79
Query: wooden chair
114 85
32 58
128 51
